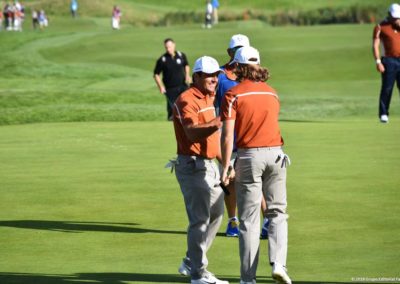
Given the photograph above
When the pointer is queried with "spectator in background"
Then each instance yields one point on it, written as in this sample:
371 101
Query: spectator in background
1 20
18 16
22 14
74 8
215 6
208 18
4 12
35 19
175 70
116 18
17 5
387 33
9 14
43 21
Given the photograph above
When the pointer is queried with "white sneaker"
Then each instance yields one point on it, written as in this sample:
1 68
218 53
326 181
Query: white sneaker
384 118
184 269
209 278
279 274
244 282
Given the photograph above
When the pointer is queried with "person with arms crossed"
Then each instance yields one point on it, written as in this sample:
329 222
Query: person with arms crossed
387 33
251 110
175 70
227 80
197 131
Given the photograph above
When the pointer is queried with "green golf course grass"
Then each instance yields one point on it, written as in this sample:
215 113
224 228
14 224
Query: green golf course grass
92 201
84 194
142 10
82 71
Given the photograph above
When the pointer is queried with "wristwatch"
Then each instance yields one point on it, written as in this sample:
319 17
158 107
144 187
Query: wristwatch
378 61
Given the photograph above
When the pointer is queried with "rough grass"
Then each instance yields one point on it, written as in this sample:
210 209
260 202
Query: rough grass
82 71
154 12
104 7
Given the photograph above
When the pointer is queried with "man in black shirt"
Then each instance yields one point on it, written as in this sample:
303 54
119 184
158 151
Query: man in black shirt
175 74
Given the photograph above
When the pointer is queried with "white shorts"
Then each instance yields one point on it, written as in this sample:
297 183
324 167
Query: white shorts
115 23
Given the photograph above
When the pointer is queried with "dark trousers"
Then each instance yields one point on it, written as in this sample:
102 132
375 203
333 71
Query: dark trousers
172 94
389 77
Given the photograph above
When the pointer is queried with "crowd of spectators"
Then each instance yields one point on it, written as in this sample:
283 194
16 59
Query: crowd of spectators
13 14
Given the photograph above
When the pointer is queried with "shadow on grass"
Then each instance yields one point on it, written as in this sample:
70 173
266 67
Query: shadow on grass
109 278
79 227
117 278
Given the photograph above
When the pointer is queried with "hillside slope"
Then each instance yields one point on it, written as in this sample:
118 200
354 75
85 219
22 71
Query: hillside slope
153 12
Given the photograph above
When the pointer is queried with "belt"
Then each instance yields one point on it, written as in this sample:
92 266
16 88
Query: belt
172 163
261 148
189 157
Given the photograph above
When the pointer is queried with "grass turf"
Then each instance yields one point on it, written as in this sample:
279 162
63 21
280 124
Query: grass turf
82 71
92 201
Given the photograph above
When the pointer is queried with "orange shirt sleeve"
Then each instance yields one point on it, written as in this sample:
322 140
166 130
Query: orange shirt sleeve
228 106
377 31
187 112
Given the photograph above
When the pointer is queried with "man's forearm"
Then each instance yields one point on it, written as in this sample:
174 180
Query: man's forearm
187 70
226 151
187 74
157 79
375 48
227 143
198 132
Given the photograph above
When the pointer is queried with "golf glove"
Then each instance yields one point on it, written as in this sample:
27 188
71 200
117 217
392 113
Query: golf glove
284 159
171 164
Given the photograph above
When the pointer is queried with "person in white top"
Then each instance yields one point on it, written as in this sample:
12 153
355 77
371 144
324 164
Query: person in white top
209 11
116 18
18 16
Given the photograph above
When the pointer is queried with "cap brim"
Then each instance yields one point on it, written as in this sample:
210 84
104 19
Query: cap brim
232 62
208 72
395 15
212 72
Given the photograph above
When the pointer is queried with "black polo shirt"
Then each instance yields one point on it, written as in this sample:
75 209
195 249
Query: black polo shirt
173 69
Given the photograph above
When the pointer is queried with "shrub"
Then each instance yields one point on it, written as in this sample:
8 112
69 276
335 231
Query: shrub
322 16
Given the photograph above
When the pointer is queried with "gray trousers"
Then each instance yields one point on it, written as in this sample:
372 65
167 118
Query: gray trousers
204 201
257 174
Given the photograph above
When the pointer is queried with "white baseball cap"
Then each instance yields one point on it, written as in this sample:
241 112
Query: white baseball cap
206 64
394 10
247 55
239 40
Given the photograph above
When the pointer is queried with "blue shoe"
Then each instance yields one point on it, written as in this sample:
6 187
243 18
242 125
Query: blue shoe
233 228
264 230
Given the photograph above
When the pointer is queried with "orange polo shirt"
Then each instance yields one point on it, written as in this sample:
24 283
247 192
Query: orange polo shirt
193 107
390 38
255 108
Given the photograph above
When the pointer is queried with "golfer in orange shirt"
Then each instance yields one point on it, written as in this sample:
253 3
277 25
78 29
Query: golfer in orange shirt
251 110
197 130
